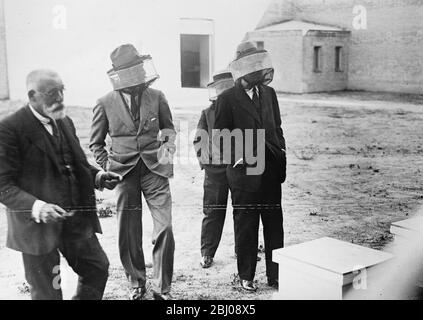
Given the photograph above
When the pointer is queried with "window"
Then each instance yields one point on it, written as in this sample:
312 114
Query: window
260 45
317 59
338 59
195 60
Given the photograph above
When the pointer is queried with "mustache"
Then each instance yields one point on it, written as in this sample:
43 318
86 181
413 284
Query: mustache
55 107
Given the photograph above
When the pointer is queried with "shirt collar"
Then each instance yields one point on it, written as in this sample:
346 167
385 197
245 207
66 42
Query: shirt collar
250 92
41 118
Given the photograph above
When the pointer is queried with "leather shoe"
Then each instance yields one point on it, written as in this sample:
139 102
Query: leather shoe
248 285
206 262
137 293
162 296
274 283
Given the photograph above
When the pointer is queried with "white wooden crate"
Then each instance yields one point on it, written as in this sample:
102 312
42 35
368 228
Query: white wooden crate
324 269
407 229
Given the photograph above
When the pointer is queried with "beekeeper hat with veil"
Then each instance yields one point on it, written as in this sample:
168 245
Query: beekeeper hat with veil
131 70
251 66
222 80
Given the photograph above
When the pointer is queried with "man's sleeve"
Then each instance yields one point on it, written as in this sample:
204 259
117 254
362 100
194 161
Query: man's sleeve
277 114
223 114
201 140
165 120
99 131
11 195
223 120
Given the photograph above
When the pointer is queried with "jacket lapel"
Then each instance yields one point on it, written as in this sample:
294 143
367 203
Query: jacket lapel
144 108
35 133
246 103
123 112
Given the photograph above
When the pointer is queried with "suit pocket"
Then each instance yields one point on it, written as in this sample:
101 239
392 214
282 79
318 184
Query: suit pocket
151 122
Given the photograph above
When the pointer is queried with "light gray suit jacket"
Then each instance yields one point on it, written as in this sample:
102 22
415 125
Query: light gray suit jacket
129 143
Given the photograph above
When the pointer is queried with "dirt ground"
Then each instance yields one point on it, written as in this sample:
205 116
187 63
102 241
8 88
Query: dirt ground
353 168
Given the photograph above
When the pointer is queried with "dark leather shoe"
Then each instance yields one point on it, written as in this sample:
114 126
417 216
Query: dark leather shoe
137 293
206 262
274 283
248 285
162 296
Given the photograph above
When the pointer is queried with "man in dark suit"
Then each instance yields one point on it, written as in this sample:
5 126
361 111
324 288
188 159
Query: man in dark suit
251 107
47 186
139 121
216 188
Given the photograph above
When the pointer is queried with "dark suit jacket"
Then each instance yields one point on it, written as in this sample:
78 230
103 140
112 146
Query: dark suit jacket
235 110
29 170
203 141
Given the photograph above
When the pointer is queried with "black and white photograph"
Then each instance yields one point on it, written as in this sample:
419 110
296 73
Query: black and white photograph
236 151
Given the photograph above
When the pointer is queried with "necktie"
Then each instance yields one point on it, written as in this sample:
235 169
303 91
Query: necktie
256 100
54 127
134 106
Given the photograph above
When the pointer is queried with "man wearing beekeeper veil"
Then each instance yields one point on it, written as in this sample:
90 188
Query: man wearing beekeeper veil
216 189
257 168
139 122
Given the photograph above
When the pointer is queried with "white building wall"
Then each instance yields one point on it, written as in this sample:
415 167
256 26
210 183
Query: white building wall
93 28
4 84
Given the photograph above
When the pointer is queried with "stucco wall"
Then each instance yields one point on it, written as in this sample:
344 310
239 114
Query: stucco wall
286 51
386 55
80 52
328 79
4 85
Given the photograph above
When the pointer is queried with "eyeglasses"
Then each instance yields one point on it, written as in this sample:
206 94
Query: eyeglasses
53 93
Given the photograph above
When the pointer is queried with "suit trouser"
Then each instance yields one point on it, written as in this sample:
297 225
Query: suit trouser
246 226
215 200
248 208
271 215
156 192
85 257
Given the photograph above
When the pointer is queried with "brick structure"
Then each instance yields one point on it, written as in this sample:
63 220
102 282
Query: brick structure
4 85
292 46
385 55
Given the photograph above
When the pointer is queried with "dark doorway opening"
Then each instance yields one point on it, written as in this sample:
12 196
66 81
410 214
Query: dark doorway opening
195 60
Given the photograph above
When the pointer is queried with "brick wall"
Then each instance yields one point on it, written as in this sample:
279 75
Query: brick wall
386 56
4 87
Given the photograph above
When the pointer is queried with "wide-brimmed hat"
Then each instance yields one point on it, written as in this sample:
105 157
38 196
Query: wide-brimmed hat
249 59
130 68
222 80
221 75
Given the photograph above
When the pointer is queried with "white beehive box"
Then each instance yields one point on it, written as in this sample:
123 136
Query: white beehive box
407 229
324 269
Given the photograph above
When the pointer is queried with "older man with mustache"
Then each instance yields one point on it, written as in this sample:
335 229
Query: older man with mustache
47 186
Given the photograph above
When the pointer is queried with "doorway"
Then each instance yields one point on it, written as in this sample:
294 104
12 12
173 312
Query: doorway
195 60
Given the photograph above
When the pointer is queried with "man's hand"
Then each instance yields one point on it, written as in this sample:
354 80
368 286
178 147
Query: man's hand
166 152
110 180
169 148
50 213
